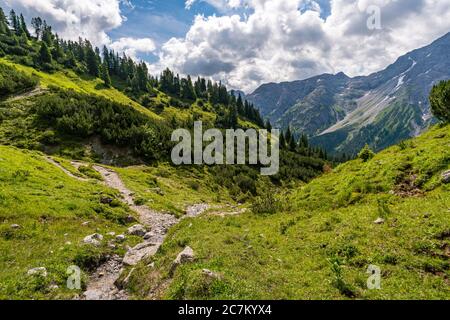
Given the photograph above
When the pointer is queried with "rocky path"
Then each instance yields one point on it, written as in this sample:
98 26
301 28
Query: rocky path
103 284
154 228
67 172
28 94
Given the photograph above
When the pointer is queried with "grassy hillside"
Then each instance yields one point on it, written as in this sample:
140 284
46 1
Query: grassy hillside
51 210
322 243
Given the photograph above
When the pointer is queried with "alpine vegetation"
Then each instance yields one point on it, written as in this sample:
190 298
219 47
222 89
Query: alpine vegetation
235 145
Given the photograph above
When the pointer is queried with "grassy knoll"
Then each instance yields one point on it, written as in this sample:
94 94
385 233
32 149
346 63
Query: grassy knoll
50 209
320 247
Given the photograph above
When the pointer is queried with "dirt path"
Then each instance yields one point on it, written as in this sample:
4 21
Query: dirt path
67 172
28 94
103 283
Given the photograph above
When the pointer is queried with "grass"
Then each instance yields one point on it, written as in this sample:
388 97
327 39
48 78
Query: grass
50 207
68 79
321 246
170 189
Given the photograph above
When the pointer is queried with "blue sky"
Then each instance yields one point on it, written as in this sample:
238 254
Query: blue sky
161 20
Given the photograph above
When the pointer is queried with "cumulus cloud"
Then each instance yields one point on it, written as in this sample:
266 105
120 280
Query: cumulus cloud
90 19
131 46
289 39
219 4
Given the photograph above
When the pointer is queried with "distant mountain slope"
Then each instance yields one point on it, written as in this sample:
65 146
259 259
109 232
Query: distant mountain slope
342 113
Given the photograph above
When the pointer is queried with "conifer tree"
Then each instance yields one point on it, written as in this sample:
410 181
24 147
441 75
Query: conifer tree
4 29
23 27
105 75
44 54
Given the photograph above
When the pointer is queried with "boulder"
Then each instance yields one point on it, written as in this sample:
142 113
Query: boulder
185 256
210 274
120 238
379 221
41 271
137 230
139 252
93 239
130 219
446 177
15 226
106 200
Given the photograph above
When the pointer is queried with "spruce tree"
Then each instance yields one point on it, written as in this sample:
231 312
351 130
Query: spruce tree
4 29
105 75
23 27
44 55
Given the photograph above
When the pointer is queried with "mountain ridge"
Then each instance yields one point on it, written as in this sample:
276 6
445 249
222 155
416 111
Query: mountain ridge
342 113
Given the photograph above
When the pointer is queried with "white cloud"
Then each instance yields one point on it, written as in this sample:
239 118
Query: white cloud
219 4
131 46
278 42
90 19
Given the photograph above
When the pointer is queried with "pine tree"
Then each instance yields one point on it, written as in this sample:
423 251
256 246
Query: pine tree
44 55
37 25
4 29
47 35
105 75
23 27
14 22
91 60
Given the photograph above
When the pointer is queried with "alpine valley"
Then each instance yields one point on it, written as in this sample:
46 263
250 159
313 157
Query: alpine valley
342 114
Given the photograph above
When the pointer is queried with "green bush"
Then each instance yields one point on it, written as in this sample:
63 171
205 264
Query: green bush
13 81
440 101
366 154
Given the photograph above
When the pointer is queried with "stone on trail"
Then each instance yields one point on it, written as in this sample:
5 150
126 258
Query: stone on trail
41 271
139 252
446 177
185 256
93 239
137 230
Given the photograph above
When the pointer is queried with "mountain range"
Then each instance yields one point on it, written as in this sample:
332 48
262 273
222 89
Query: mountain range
342 114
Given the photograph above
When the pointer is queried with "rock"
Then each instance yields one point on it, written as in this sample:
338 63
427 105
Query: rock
139 252
54 287
196 210
130 219
153 237
185 256
93 239
15 226
41 271
85 224
120 238
106 200
111 234
210 274
379 221
126 281
137 230
446 177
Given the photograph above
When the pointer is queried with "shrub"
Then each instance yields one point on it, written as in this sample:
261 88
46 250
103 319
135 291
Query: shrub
366 154
266 204
440 101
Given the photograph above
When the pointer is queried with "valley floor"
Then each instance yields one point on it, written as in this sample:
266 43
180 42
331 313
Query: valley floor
391 212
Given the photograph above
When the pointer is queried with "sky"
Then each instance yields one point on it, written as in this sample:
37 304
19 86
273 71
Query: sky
246 43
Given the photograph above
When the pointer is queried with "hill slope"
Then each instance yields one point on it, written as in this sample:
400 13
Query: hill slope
343 113
322 242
